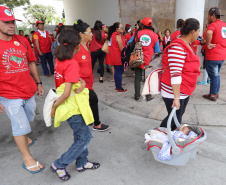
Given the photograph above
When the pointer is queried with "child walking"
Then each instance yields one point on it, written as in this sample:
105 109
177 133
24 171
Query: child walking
72 105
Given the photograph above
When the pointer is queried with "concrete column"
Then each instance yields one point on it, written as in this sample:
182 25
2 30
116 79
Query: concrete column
89 11
190 9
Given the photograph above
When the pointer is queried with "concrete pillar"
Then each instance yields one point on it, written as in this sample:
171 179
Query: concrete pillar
190 9
107 11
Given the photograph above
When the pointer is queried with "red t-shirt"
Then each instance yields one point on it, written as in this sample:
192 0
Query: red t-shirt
85 64
66 71
175 35
194 45
15 79
96 45
218 28
126 37
204 45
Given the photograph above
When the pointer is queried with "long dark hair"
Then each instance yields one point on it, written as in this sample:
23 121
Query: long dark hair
80 26
68 40
189 25
97 30
112 29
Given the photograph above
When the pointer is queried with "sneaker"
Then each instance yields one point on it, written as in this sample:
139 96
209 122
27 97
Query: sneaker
102 128
210 97
137 98
121 90
202 83
149 97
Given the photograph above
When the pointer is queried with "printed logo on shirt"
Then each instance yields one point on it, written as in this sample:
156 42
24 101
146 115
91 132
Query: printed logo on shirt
223 32
14 61
7 12
83 57
145 39
16 43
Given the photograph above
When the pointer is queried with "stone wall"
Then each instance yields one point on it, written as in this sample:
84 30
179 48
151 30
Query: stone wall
162 12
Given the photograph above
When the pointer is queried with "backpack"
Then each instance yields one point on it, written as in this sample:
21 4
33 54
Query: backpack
137 56
126 51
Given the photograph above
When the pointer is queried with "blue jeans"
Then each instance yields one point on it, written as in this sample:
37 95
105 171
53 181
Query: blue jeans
118 76
213 68
44 58
78 150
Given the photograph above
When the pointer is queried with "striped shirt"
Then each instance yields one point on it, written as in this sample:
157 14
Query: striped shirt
176 59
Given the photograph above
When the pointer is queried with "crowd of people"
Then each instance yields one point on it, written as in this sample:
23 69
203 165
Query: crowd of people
76 51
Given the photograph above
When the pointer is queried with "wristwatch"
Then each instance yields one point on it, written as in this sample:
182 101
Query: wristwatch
39 83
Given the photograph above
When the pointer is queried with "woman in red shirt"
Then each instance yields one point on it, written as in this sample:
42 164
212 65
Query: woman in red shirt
176 34
181 66
115 45
96 45
67 71
127 36
86 73
166 39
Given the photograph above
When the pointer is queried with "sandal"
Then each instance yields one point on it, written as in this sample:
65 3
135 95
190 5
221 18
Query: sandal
61 172
89 165
28 168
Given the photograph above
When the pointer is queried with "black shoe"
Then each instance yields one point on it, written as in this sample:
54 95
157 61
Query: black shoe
149 97
98 70
102 128
137 98
108 70
101 81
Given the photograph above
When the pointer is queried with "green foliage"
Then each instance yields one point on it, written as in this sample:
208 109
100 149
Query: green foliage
40 12
14 3
24 28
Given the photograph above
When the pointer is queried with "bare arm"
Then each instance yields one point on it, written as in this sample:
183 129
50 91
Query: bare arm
34 74
38 48
209 35
176 92
62 98
119 41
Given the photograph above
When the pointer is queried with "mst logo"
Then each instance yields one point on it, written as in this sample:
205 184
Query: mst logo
145 39
223 32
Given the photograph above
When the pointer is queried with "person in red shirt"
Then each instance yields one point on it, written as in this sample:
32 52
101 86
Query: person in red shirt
43 43
86 73
67 71
127 36
19 81
176 34
96 47
181 67
166 39
34 47
150 45
115 45
215 51
136 28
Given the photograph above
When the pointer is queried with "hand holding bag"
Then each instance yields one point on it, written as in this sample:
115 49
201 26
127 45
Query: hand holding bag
105 47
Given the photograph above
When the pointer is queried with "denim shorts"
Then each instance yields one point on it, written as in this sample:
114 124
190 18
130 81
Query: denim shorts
21 113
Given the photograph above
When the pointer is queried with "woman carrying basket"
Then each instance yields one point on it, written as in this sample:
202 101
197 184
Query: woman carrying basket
181 70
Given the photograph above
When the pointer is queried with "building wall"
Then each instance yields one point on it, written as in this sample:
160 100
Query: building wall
162 12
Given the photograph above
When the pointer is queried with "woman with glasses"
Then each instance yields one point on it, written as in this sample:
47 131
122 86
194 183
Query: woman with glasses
116 44
86 73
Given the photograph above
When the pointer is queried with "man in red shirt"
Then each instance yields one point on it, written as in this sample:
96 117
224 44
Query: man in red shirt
43 43
19 81
215 51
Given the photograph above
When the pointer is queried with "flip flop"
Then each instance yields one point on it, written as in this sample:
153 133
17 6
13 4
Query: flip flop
31 142
27 168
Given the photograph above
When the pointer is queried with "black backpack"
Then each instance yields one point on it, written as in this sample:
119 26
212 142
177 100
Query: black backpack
126 51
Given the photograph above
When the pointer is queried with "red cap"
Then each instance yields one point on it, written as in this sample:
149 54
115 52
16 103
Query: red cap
127 25
6 14
60 24
147 21
39 22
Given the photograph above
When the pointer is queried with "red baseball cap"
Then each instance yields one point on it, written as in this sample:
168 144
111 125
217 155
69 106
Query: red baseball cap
39 22
127 25
147 21
60 24
6 14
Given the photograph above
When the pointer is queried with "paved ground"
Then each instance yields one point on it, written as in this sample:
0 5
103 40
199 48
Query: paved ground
119 149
